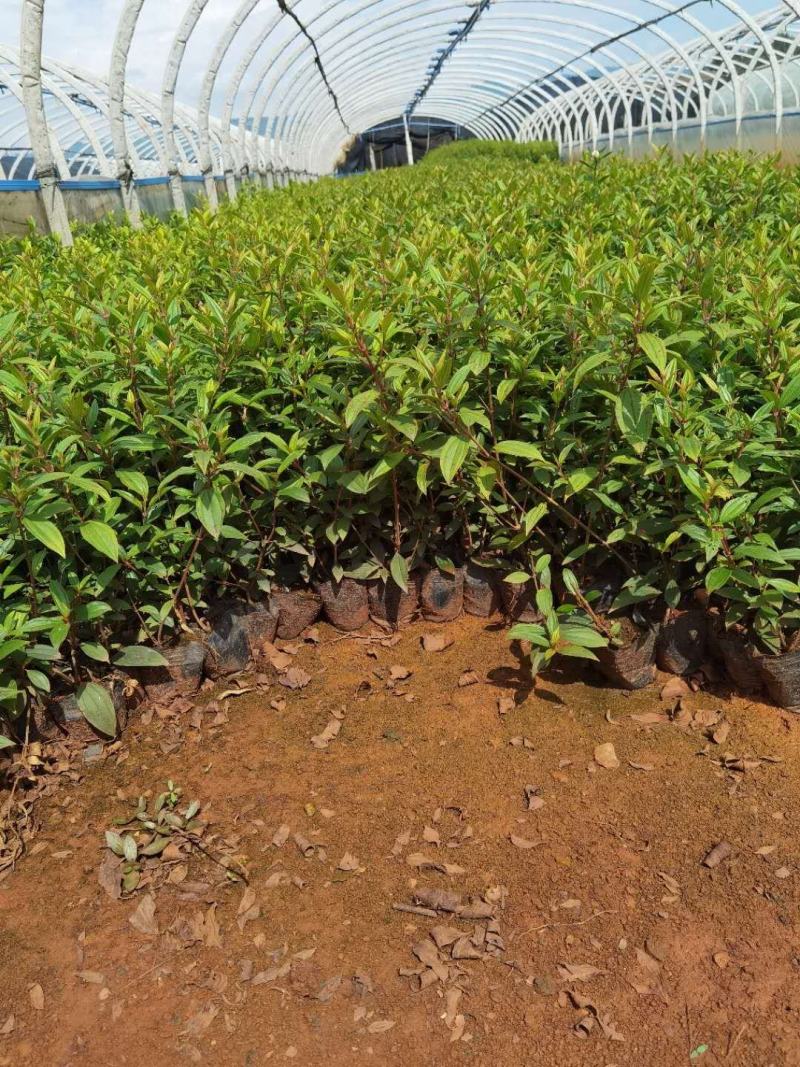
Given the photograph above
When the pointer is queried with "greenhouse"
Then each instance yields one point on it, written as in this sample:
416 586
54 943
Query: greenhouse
399 533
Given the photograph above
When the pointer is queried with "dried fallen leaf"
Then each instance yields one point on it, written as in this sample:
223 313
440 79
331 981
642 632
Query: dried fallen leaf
197 1024
281 836
606 756
640 766
279 660
783 872
717 854
720 735
522 842
674 689
577 972
398 673
765 850
91 977
651 718
505 704
521 742
36 994
722 959
143 919
431 836
468 678
348 862
533 802
295 678
110 875
8 1026
211 931
400 842
380 1026
436 642
330 732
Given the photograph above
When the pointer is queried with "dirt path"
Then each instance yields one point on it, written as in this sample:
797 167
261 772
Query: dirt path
605 940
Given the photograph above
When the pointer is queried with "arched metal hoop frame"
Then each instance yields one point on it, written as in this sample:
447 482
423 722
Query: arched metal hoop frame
311 73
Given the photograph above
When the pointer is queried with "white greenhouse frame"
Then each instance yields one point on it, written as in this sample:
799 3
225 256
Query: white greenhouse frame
312 73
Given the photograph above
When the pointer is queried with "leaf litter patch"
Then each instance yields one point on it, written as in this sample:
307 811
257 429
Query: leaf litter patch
488 880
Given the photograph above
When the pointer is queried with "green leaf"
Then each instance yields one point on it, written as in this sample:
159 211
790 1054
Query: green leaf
94 651
523 449
358 404
736 507
634 418
210 510
517 578
115 843
48 533
140 656
136 482
654 348
398 569
6 742
452 457
100 536
97 707
39 680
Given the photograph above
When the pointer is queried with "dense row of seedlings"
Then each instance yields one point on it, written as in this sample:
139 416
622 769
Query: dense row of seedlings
587 384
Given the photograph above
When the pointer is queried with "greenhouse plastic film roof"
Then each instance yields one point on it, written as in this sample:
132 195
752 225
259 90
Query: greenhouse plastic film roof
260 89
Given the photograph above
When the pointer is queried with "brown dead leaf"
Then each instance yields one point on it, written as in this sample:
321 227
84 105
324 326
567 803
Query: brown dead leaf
606 756
348 862
8 1026
304 845
718 853
431 836
211 931
640 766
281 835
533 802
400 842
330 732
143 919
398 673
522 842
765 850
577 972
674 689
436 642
380 1026
278 705
197 1024
281 661
722 959
109 875
91 977
295 678
36 995
720 735
651 718
468 677
505 704
521 742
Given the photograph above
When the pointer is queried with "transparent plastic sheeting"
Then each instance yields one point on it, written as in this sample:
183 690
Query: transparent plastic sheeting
291 81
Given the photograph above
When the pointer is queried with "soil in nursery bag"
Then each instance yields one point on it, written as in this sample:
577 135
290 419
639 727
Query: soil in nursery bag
519 602
345 604
182 676
740 659
442 595
389 604
781 676
297 610
681 646
633 664
481 594
228 646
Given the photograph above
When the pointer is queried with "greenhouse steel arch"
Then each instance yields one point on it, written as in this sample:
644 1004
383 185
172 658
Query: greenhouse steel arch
297 79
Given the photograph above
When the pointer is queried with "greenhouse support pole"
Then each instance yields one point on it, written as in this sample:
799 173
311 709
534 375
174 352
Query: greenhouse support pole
116 102
409 149
31 76
372 164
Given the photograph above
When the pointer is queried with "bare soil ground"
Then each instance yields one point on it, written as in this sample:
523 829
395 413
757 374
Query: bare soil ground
609 943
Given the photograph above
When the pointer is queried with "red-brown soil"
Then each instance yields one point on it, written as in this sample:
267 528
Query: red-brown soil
690 960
